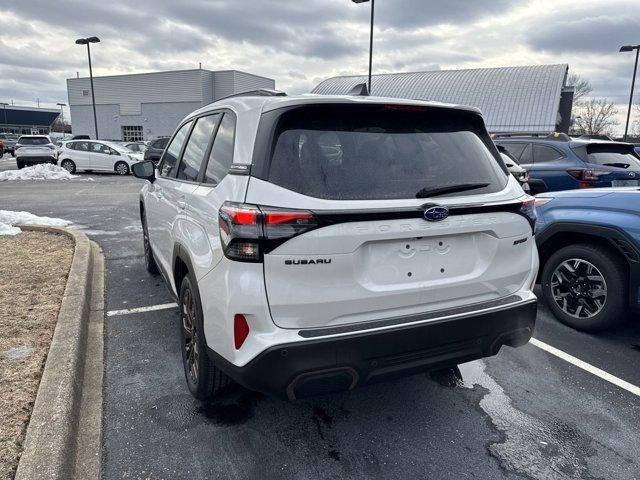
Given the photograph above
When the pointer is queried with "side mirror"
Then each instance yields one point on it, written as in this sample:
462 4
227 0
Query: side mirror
144 170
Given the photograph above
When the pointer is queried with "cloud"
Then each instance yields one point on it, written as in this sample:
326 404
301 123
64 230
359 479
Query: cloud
586 33
301 43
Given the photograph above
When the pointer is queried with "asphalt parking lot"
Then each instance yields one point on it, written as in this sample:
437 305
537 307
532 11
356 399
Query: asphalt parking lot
525 413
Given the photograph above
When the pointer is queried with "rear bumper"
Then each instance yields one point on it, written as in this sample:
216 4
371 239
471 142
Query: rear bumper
34 159
338 363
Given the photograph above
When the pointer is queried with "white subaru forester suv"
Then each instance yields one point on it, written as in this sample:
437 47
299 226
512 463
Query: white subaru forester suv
318 243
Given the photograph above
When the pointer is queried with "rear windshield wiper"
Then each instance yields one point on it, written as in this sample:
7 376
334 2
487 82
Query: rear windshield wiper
619 165
461 187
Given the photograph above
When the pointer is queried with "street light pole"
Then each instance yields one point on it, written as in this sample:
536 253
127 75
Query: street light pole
630 48
87 41
370 38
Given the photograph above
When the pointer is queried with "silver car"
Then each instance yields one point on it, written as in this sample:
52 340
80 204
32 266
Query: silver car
34 149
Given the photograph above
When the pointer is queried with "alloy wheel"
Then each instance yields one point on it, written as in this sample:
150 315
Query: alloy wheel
190 335
579 288
122 169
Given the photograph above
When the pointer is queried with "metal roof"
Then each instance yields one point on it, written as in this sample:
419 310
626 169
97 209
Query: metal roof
511 98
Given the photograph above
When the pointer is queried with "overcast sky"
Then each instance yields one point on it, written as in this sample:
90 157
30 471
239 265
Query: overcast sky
299 43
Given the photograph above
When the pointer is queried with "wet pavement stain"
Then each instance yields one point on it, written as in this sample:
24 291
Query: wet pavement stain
320 413
334 454
232 409
539 449
448 377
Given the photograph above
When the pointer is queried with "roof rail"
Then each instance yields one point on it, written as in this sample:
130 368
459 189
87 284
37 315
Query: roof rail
260 92
558 136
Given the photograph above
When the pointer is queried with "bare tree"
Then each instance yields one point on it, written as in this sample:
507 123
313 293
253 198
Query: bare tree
582 87
61 126
596 117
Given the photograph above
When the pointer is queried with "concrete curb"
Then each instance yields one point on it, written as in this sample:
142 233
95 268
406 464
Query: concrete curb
51 441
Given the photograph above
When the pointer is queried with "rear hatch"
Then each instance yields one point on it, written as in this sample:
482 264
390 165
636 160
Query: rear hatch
372 180
614 164
35 146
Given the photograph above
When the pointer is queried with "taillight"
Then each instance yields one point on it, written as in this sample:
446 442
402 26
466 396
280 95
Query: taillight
527 209
587 176
240 330
248 231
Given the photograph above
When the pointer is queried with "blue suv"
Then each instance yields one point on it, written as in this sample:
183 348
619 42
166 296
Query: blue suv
557 162
589 246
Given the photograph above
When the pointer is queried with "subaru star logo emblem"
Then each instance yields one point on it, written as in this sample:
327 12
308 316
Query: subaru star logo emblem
435 214
632 174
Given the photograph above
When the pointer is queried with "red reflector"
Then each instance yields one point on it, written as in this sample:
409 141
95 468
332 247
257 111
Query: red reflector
274 218
240 330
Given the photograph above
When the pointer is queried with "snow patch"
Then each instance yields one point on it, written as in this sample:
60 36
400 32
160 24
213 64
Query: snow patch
8 220
42 171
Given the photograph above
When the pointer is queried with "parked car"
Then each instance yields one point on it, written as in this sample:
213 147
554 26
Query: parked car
155 149
516 170
81 137
137 147
98 156
9 141
560 163
34 149
326 242
589 244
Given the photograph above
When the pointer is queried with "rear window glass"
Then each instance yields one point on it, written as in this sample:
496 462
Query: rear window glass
613 156
34 141
381 152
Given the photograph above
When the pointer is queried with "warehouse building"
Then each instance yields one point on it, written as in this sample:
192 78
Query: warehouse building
26 120
149 105
531 99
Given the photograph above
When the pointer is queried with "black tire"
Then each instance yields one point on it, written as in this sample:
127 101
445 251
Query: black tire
68 165
149 260
20 164
608 310
204 379
121 168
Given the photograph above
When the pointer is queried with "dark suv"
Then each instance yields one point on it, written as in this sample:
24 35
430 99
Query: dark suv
557 162
155 149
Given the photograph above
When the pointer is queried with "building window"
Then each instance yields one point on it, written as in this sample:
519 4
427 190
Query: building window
132 133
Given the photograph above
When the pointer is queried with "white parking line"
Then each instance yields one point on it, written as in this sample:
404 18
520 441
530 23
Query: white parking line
586 367
127 311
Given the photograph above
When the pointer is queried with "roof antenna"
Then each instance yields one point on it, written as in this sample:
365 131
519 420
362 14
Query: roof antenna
360 90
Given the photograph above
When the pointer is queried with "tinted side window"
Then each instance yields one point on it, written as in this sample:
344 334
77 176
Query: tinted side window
515 149
221 156
193 155
170 157
527 155
81 146
544 154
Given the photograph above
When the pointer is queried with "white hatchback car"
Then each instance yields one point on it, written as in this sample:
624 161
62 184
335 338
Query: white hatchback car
318 243
97 156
